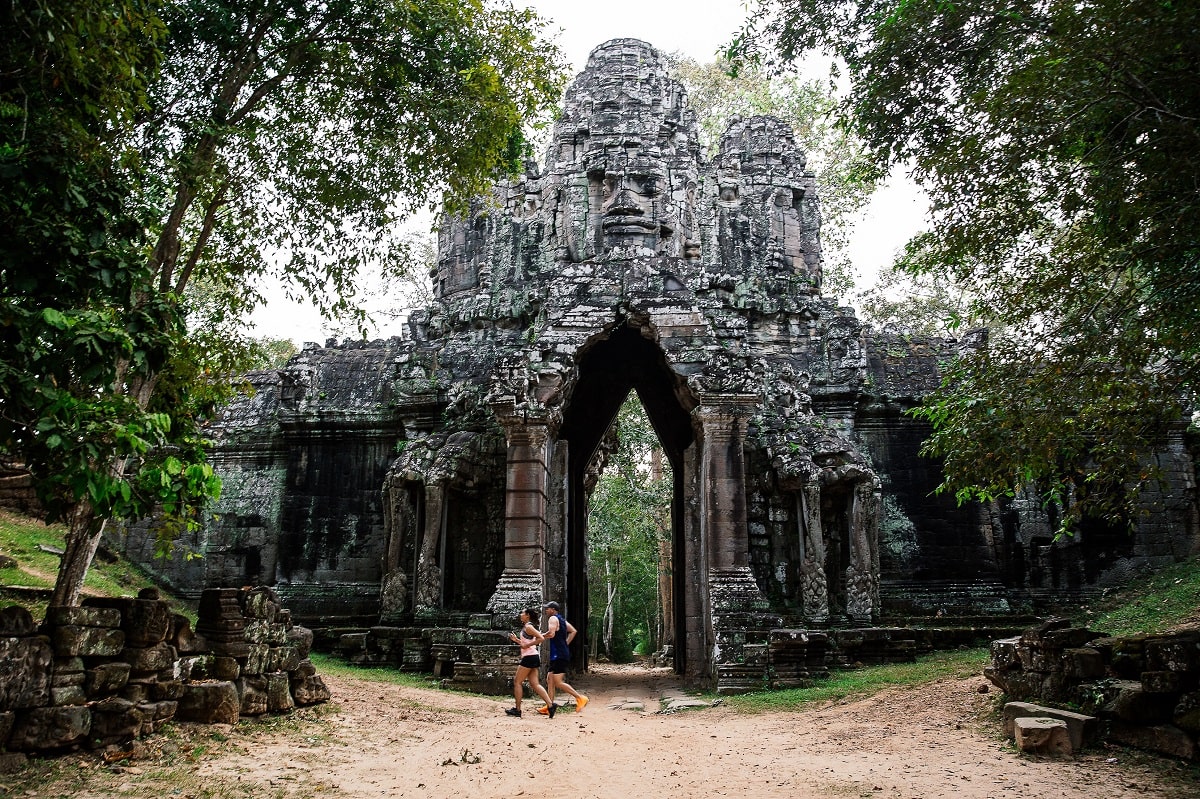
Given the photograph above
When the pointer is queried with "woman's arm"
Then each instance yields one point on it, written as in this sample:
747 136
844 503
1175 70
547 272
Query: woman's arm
534 633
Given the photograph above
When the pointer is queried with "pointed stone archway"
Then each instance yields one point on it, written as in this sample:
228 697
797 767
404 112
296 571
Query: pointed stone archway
613 366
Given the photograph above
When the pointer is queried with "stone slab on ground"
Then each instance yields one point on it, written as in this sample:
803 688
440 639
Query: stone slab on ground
1042 735
1164 739
1084 730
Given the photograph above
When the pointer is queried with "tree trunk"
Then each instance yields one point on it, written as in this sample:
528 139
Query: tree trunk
84 529
611 590
83 538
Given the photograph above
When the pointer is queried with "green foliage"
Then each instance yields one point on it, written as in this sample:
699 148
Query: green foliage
922 301
1160 602
628 521
152 179
1058 143
288 139
864 682
76 329
33 544
846 175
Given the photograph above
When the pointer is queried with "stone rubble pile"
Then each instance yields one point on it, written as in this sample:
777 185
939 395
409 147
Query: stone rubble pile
117 669
1144 688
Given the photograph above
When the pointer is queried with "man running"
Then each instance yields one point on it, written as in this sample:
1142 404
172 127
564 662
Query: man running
560 633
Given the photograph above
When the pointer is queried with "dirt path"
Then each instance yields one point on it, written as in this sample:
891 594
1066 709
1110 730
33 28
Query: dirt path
387 740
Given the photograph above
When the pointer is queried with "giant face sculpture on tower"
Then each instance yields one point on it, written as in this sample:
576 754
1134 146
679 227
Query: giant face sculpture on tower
625 156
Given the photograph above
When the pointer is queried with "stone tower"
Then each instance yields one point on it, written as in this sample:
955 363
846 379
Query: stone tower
441 480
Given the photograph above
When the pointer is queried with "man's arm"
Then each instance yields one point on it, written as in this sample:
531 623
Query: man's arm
552 628
570 632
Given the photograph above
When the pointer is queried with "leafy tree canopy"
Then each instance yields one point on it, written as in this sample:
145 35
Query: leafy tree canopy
162 157
289 136
1058 142
74 326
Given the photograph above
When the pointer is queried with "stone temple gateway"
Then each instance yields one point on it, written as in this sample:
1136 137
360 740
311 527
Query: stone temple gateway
439 482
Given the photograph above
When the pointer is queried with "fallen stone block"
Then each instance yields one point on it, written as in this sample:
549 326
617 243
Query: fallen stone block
24 672
70 640
68 695
86 616
1084 730
1043 736
1135 705
154 658
16 622
155 714
166 690
261 603
115 721
302 639
213 702
183 638
1083 663
1186 714
50 728
1164 682
279 695
253 693
107 678
1162 738
307 686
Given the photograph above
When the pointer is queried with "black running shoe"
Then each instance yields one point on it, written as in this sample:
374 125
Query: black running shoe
553 707
512 711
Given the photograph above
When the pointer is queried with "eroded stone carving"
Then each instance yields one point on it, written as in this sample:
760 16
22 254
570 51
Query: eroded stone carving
442 479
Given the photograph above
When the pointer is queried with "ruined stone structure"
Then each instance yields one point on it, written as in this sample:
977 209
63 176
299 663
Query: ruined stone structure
440 480
1144 688
119 668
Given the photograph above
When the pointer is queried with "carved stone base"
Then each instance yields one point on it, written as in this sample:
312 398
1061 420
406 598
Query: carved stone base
516 591
742 621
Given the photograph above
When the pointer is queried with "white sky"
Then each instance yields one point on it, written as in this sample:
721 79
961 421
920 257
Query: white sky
696 29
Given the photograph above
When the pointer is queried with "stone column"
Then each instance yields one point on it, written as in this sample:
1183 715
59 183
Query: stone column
739 613
429 572
399 523
722 419
862 573
814 583
522 583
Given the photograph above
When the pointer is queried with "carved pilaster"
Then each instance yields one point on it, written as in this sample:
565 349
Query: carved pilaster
862 573
814 585
723 419
400 524
522 582
737 606
429 572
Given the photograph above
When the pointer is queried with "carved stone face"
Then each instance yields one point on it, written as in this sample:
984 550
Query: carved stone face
634 205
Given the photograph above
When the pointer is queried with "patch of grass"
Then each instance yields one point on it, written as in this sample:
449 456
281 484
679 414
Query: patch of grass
34 547
866 681
1154 604
328 664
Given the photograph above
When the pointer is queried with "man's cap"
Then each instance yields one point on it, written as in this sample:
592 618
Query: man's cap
552 606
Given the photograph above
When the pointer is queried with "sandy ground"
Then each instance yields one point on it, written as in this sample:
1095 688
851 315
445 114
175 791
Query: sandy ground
932 741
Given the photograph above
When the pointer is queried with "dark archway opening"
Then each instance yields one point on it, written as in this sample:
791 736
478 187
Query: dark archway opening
608 370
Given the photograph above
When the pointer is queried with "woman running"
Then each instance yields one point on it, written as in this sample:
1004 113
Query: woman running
529 640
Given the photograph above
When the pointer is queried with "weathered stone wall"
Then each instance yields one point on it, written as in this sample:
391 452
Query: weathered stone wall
444 476
1146 688
1006 557
117 669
